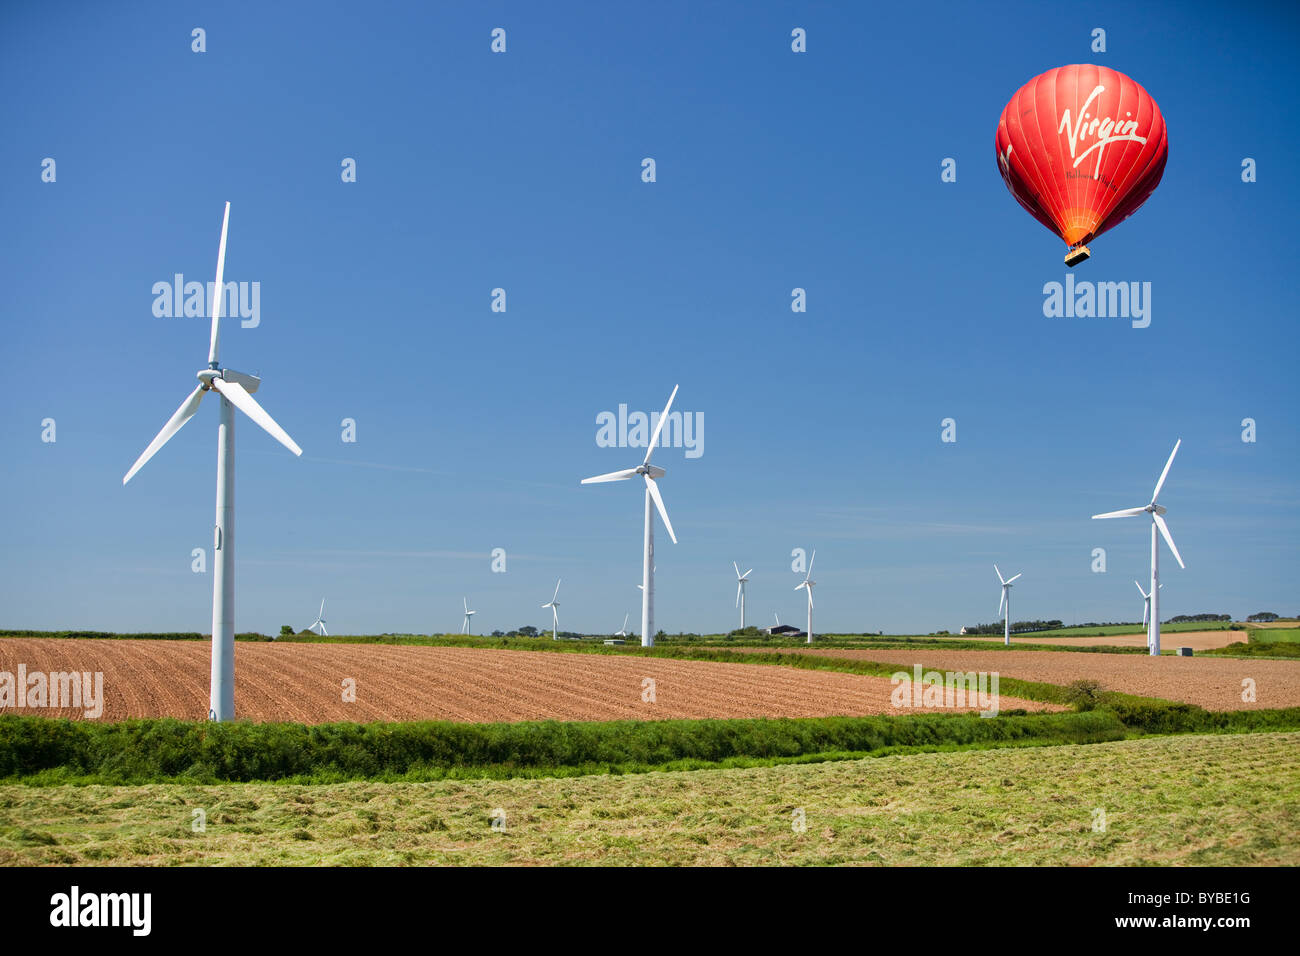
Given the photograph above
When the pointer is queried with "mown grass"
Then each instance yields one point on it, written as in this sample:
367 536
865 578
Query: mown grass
1190 801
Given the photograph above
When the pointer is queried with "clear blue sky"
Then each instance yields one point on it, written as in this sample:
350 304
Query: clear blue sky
522 171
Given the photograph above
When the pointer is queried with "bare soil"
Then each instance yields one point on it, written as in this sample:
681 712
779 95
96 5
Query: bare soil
304 683
1214 683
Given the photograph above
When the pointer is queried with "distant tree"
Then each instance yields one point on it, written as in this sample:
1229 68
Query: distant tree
498 634
1262 616
286 630
527 631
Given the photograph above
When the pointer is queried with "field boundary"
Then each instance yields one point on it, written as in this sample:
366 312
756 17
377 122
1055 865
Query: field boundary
47 752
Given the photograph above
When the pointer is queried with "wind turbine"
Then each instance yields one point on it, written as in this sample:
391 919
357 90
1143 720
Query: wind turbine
1157 513
807 585
554 605
1146 610
235 389
320 620
467 625
622 631
1006 602
741 581
649 472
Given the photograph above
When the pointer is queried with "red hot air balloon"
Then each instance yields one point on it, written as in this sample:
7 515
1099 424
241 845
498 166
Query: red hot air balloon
1081 147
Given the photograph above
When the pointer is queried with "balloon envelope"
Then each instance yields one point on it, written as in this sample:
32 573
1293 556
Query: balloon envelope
1081 148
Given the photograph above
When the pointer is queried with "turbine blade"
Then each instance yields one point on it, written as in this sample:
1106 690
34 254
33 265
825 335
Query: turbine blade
179 418
1146 609
747 573
810 600
218 296
801 585
1003 600
1001 580
1165 474
248 405
557 589
653 486
1126 513
611 476
1169 539
811 562
737 567
659 427
737 594
1009 580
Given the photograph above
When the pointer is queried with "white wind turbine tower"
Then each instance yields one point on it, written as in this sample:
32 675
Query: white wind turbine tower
807 585
467 625
1006 603
554 605
622 631
1146 610
649 472
235 390
1157 513
741 581
320 620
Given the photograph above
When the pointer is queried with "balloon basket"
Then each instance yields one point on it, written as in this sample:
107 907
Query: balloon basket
1076 255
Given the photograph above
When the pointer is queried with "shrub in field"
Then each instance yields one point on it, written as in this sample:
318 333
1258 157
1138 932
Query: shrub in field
1083 694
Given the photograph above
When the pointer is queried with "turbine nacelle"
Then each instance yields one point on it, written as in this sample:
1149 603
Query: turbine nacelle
248 383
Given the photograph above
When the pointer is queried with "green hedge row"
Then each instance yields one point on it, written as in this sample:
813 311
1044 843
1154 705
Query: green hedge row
145 751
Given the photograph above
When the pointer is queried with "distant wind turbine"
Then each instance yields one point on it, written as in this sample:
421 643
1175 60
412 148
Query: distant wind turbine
622 631
467 625
320 620
235 389
554 605
650 473
1006 603
1146 610
807 585
1157 513
741 581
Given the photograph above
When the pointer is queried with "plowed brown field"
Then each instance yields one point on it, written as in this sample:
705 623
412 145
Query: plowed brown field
1214 683
303 683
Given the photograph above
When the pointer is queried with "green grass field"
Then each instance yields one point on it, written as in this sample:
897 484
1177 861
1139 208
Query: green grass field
1190 800
1275 635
